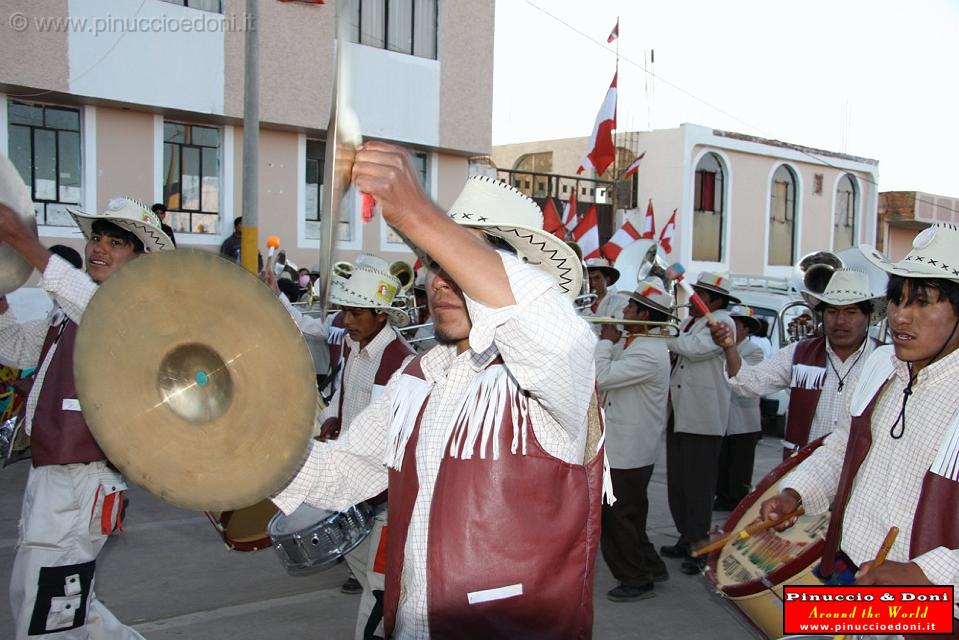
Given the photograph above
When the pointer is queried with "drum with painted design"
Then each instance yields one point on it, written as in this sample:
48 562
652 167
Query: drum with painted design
752 572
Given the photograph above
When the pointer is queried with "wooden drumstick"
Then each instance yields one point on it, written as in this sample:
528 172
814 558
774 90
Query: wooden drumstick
887 543
749 531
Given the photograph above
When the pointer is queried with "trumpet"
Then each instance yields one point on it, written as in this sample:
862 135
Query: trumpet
654 328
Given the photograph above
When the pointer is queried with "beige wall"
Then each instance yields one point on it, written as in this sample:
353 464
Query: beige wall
32 58
465 52
124 156
296 63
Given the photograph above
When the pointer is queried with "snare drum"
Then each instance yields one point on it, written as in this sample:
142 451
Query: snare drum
245 529
312 539
751 572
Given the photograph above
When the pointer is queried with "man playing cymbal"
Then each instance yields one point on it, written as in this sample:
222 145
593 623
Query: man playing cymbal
494 488
895 464
74 496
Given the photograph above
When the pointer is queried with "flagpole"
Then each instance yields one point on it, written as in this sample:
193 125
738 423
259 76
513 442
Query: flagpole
615 145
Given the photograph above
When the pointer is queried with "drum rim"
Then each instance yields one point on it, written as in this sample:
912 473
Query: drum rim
788 570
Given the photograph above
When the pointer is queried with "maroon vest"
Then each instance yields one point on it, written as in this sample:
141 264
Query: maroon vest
803 401
936 521
60 436
528 520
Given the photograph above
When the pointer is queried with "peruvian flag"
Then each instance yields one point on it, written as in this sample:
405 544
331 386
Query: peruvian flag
614 33
633 167
666 237
624 236
569 211
551 221
586 234
649 223
602 151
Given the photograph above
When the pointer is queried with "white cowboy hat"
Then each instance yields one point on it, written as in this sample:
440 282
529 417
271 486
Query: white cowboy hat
716 283
935 254
602 265
370 286
502 211
652 293
130 215
848 286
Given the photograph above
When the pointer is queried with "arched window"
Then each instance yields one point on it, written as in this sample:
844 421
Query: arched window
708 213
533 185
782 217
844 217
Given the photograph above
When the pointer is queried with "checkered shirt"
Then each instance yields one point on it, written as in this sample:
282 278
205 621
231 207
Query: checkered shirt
20 344
548 350
887 486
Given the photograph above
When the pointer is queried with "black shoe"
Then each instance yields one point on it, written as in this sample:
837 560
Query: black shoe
677 550
661 576
623 593
693 566
352 586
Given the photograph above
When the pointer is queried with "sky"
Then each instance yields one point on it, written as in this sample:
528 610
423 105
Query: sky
871 78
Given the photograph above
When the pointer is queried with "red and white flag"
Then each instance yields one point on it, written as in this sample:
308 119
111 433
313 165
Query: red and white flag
666 237
614 33
633 167
602 150
624 236
649 223
569 211
551 221
586 234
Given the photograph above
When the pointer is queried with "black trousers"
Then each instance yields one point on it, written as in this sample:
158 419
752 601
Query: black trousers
626 548
692 462
736 459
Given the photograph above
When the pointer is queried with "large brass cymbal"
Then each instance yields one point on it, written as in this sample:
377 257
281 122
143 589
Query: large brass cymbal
195 380
14 193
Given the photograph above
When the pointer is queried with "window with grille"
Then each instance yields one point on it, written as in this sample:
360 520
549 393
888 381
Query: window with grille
44 146
191 177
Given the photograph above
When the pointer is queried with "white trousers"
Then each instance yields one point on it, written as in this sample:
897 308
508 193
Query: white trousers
62 529
362 561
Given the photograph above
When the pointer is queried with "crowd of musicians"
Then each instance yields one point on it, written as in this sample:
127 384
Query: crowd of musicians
511 440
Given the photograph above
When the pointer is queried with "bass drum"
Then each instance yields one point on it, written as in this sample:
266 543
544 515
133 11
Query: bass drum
751 572
245 529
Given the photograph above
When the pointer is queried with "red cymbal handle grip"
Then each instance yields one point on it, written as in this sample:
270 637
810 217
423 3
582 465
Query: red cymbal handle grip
367 205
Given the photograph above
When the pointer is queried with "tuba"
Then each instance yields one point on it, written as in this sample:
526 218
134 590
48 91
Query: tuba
404 298
343 269
586 297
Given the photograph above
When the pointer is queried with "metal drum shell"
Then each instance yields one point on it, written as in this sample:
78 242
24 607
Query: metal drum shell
320 545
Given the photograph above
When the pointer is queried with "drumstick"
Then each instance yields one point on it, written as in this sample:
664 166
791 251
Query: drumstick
887 543
749 531
884 549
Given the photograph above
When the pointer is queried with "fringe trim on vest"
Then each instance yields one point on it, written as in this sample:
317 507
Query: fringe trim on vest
806 376
336 335
411 393
608 495
481 414
947 460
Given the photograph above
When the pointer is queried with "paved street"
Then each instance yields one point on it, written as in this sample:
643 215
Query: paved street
170 576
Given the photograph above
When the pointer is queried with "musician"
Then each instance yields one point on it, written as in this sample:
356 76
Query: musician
632 374
744 429
494 495
699 399
608 301
74 497
894 465
818 372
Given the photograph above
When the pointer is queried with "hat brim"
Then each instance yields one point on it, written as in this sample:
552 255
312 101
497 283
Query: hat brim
610 272
752 321
879 303
712 289
909 268
543 250
346 298
153 239
649 304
